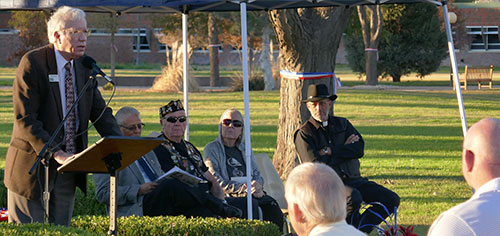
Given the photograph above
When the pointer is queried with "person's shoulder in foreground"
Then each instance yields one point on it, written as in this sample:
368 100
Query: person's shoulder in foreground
337 228
480 160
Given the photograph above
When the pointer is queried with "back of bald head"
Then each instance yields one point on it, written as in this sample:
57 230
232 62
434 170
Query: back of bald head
483 139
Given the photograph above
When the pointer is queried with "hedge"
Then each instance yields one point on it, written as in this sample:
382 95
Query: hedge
41 229
89 219
176 225
133 226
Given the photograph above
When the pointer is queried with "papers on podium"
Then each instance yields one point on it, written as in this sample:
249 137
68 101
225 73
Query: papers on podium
181 175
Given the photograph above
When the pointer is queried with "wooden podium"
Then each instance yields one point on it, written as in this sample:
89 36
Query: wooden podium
110 155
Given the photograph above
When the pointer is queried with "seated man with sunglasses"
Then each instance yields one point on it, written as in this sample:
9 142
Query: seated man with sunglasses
138 192
225 159
175 151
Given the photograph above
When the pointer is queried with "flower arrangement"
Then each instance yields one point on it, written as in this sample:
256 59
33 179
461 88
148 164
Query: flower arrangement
392 230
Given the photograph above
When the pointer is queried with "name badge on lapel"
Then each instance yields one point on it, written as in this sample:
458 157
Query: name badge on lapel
54 78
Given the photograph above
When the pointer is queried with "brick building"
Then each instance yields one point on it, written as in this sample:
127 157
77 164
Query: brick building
476 34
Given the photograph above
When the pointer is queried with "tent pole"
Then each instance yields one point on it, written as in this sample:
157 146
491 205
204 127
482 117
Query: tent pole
248 146
112 46
185 64
453 60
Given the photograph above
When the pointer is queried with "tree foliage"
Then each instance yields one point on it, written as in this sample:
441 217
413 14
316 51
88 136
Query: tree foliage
171 25
411 41
32 29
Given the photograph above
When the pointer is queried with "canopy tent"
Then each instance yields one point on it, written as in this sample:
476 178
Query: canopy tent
186 6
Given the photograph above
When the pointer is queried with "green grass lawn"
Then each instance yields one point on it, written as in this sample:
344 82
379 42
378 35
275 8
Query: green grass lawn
348 78
413 139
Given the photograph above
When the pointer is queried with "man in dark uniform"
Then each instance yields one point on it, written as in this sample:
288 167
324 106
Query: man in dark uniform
175 151
139 192
334 141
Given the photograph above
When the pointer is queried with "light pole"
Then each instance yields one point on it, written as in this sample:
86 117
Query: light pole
452 17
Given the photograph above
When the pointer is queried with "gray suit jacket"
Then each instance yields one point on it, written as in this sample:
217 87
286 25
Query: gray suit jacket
128 183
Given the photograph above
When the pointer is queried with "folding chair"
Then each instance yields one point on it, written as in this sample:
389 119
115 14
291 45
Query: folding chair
273 185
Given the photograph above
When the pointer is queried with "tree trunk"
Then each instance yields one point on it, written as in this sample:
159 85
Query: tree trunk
213 50
371 33
265 60
251 57
309 39
396 78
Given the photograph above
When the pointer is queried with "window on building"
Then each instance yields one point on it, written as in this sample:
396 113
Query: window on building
8 31
484 37
140 37
99 31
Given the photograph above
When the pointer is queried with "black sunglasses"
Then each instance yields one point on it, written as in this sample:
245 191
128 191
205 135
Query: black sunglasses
173 119
133 127
236 123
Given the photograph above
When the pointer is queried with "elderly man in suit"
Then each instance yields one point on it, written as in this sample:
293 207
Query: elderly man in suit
47 83
131 186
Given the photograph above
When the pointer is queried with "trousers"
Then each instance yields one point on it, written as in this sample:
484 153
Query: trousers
372 192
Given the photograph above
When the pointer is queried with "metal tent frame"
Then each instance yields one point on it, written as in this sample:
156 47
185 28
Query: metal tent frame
186 6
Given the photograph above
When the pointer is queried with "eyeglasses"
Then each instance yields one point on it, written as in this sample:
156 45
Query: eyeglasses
236 123
134 127
75 32
173 119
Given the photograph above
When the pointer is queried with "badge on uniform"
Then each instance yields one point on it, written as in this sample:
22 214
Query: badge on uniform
54 78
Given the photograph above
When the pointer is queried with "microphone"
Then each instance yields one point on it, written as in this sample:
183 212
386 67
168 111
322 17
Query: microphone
89 63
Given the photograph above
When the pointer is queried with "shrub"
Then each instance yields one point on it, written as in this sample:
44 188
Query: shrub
40 229
171 78
254 83
89 218
176 225
3 191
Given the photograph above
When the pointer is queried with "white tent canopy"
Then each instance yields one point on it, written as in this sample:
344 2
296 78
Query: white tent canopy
186 6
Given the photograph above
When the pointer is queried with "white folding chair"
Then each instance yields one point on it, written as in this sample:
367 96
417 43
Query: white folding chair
273 185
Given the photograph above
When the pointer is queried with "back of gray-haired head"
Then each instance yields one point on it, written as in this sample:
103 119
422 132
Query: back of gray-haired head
318 191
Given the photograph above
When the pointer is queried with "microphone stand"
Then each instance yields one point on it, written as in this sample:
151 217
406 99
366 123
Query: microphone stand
47 153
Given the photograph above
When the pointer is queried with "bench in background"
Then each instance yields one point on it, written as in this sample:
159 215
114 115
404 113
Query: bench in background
479 75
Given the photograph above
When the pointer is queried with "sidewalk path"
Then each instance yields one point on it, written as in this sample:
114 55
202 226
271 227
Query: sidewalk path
358 87
413 88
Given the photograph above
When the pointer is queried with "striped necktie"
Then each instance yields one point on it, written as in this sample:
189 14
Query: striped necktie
71 120
147 169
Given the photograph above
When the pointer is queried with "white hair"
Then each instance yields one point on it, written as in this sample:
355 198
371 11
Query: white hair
235 111
318 192
59 19
125 112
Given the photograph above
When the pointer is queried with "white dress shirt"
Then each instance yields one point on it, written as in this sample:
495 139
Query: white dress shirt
336 228
61 72
480 215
